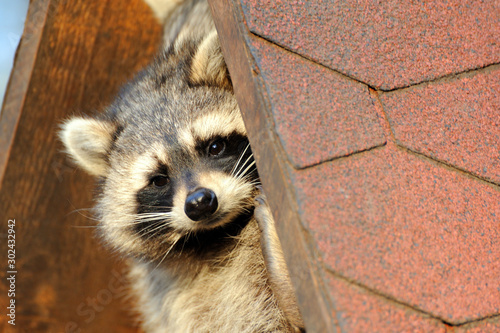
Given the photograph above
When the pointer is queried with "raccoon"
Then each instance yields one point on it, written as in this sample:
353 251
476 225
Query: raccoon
179 193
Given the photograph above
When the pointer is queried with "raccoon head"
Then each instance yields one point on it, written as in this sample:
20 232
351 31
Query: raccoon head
171 153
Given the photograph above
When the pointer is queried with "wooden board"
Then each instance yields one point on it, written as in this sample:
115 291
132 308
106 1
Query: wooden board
73 57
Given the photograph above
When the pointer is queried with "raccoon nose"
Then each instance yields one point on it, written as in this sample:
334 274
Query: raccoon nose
200 204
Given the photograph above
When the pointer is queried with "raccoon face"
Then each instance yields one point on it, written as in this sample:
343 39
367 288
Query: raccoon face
213 187
171 154
200 177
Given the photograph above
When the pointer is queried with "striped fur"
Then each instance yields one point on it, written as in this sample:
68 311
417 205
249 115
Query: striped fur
176 129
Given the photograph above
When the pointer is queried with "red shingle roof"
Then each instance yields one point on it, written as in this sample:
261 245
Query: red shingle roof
387 202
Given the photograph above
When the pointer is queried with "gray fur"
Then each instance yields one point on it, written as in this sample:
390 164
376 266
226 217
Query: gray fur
189 276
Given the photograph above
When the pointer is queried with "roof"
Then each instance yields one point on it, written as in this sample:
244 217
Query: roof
376 131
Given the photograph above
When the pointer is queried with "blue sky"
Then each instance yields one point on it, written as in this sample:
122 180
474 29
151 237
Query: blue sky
12 16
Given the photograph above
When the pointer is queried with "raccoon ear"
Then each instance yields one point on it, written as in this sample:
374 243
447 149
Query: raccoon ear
163 8
208 66
88 141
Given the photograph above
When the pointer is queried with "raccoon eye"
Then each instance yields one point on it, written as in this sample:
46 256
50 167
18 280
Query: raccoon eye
160 181
217 147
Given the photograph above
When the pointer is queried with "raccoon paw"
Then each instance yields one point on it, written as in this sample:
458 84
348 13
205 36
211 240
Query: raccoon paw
261 197
263 214
277 271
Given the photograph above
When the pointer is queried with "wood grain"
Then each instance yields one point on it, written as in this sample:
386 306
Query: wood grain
73 57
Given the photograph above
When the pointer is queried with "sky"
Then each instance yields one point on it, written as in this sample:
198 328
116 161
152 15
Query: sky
12 16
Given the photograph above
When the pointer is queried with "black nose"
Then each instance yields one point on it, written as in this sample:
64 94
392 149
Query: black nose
200 204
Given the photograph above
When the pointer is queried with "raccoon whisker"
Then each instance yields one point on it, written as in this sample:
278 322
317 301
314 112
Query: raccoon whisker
153 227
156 228
239 173
152 218
255 183
149 229
152 215
248 177
84 226
85 216
239 159
168 251
138 237
158 220
81 209
151 223
246 170
143 215
138 220
151 232
242 165
186 238
157 207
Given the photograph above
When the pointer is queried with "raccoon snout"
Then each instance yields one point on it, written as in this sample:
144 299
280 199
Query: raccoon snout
200 204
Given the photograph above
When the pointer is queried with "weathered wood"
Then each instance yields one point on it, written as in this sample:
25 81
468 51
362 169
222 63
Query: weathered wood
73 57
20 76
254 105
